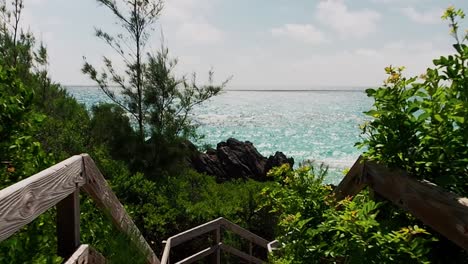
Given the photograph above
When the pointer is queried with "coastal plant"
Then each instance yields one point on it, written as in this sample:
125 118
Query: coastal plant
420 124
148 90
137 19
314 228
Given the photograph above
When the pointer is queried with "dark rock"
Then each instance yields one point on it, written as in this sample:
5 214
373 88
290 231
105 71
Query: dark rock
234 159
277 160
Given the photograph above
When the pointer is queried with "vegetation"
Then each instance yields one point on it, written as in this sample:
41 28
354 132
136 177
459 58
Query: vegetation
149 91
418 125
310 219
40 124
130 46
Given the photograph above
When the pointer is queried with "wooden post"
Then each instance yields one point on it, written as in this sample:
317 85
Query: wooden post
218 240
68 225
250 250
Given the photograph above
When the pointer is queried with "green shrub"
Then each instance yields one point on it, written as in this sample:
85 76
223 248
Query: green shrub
314 229
421 125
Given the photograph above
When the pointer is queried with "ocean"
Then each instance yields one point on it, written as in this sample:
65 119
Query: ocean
318 125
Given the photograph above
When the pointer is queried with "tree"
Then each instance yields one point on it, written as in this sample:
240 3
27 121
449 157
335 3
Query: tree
16 44
130 46
169 101
150 92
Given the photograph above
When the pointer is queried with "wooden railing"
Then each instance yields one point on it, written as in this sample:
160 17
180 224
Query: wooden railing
217 227
59 186
445 212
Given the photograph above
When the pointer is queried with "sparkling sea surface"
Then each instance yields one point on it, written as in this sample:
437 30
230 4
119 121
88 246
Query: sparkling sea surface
319 125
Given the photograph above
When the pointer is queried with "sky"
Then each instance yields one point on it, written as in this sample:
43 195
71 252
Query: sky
272 44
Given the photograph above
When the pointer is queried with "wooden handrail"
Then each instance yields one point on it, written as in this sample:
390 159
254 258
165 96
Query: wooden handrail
86 254
200 255
101 193
215 225
23 201
273 245
59 185
445 212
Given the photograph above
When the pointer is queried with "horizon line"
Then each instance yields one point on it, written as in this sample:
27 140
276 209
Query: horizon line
270 89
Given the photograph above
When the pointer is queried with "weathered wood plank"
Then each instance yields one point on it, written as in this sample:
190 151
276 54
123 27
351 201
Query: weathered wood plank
211 226
445 212
68 225
101 193
86 255
236 252
22 202
244 233
194 232
353 182
188 235
199 255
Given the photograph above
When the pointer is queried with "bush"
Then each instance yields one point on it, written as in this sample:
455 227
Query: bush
420 125
177 203
314 229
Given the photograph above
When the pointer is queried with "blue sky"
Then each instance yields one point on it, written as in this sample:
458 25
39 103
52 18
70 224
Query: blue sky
261 43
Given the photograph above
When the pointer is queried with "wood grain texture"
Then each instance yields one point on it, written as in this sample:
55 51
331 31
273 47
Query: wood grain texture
100 191
22 202
244 256
445 212
86 255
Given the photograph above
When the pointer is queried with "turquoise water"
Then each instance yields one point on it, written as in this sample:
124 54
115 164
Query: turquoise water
307 125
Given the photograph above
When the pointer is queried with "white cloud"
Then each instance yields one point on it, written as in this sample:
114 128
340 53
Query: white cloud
189 20
348 23
428 17
363 66
200 33
303 32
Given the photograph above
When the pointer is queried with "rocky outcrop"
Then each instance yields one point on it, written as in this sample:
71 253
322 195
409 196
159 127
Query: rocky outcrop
234 159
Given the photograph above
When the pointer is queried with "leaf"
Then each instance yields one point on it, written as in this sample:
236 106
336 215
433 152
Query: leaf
438 118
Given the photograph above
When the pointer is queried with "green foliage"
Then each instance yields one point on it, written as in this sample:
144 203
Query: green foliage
421 125
99 232
35 243
176 203
313 228
149 91
130 46
65 131
169 100
110 127
21 155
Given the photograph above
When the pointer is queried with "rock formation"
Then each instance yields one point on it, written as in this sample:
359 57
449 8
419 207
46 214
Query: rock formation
234 159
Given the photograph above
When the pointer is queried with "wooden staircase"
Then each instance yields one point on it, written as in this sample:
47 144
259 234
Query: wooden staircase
60 186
